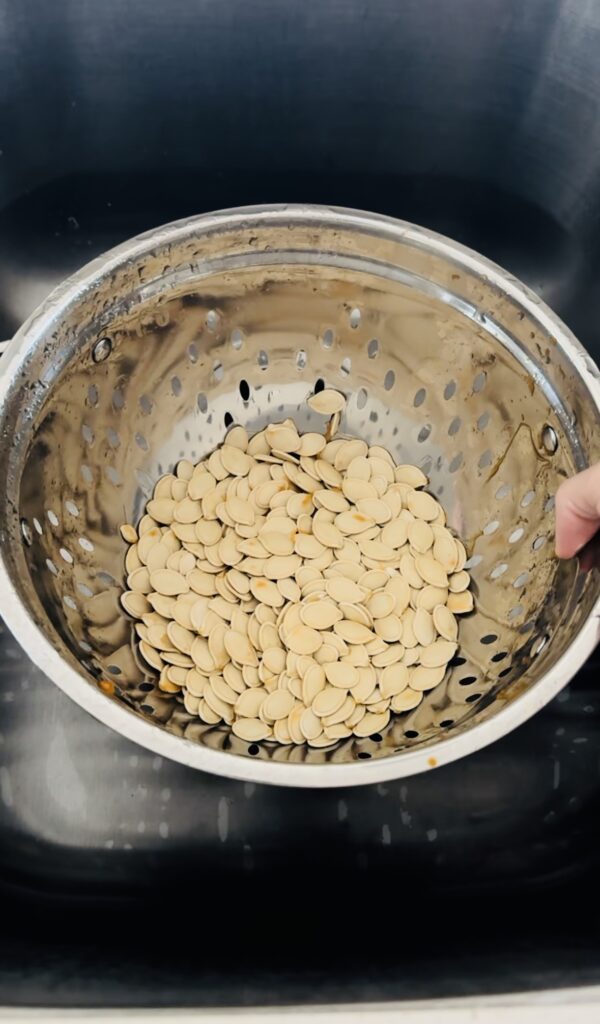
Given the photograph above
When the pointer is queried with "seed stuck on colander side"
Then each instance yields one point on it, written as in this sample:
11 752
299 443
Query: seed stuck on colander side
298 588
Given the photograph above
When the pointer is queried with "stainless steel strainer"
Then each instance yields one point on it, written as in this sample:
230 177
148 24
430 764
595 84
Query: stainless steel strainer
149 353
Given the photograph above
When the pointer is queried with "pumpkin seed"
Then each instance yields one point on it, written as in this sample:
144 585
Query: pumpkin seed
288 569
327 402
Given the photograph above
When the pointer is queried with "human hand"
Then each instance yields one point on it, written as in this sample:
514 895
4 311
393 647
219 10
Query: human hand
578 516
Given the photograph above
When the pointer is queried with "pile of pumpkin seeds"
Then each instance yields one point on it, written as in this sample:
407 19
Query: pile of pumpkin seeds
298 587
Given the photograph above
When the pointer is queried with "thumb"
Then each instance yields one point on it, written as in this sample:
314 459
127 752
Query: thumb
577 511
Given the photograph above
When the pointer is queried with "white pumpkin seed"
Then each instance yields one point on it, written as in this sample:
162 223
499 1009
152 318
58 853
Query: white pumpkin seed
286 570
406 701
445 623
251 729
422 678
327 402
461 603
320 614
438 653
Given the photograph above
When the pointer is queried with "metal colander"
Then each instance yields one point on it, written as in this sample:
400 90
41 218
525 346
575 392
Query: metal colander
147 356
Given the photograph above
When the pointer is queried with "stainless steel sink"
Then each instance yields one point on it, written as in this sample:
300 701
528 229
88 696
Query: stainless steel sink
130 881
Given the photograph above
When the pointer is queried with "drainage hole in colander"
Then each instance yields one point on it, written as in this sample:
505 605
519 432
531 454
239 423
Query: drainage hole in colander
419 398
26 531
516 535
489 638
485 459
389 380
373 348
101 350
424 433
71 507
328 338
498 571
502 492
212 320
364 756
361 398
411 734
355 317
105 577
456 463
118 399
479 382
345 366
253 749
301 359
499 656
228 419
483 420
450 389
193 353
237 339
467 680
218 371
455 426
263 359
472 698
550 439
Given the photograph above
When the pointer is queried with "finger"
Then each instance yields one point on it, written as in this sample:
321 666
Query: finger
577 512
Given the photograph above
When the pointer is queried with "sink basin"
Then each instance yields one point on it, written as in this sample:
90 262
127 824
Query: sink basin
480 121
